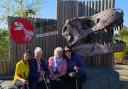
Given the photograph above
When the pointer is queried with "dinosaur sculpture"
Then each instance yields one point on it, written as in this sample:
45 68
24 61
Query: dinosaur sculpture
77 30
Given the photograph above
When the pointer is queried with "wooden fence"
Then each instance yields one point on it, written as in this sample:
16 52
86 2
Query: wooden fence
45 36
67 9
48 33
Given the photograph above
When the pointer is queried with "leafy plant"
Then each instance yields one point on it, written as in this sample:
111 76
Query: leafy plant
123 35
4 44
20 8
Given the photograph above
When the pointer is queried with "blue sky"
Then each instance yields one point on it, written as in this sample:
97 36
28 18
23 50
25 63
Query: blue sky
49 9
123 4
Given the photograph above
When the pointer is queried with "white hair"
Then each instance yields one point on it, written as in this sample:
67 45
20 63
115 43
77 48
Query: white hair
60 49
37 50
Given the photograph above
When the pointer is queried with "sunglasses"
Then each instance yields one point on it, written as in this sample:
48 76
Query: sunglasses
67 51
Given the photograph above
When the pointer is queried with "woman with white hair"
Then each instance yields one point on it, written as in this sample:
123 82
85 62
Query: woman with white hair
38 69
57 68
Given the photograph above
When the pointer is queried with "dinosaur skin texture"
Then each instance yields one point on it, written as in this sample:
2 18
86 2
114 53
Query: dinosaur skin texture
76 31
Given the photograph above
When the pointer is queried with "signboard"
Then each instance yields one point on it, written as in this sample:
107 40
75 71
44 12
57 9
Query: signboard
21 31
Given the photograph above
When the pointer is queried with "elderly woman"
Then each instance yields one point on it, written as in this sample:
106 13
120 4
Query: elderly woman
75 69
57 67
38 69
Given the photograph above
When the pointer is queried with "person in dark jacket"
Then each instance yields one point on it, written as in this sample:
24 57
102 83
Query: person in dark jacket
38 71
76 72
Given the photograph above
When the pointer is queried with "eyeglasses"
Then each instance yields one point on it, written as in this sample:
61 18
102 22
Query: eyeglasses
67 51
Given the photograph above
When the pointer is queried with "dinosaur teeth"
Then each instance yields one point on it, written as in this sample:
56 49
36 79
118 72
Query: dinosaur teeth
117 28
120 26
114 28
114 25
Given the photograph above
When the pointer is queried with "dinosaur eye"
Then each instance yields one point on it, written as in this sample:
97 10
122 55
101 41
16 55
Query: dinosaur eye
71 38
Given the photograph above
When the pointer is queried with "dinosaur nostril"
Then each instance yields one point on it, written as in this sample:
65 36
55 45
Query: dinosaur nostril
71 38
98 20
64 29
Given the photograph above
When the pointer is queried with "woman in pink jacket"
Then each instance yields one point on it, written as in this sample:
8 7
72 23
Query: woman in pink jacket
57 68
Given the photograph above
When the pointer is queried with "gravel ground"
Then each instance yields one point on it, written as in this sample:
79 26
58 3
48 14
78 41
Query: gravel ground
6 84
96 79
123 72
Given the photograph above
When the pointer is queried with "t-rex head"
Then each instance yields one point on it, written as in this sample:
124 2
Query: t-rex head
77 29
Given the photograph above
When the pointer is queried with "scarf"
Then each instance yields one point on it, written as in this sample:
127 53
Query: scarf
57 62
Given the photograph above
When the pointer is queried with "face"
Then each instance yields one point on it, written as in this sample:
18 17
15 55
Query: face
38 55
67 52
58 54
27 56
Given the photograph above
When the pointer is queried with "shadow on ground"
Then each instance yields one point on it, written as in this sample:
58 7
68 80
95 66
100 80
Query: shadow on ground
123 72
97 78
123 85
101 78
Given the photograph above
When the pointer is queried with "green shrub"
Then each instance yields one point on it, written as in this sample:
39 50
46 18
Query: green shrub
4 44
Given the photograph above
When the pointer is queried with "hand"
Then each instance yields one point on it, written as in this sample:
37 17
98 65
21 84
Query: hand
40 79
71 74
42 73
25 82
56 77
76 68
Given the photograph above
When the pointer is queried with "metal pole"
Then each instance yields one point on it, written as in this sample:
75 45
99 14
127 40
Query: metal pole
45 81
77 87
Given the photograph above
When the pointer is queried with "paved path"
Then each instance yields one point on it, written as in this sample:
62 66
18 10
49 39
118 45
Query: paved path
123 72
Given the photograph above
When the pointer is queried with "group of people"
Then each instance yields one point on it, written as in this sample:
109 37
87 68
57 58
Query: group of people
63 70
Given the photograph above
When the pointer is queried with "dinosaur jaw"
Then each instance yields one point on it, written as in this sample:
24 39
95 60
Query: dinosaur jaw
96 48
